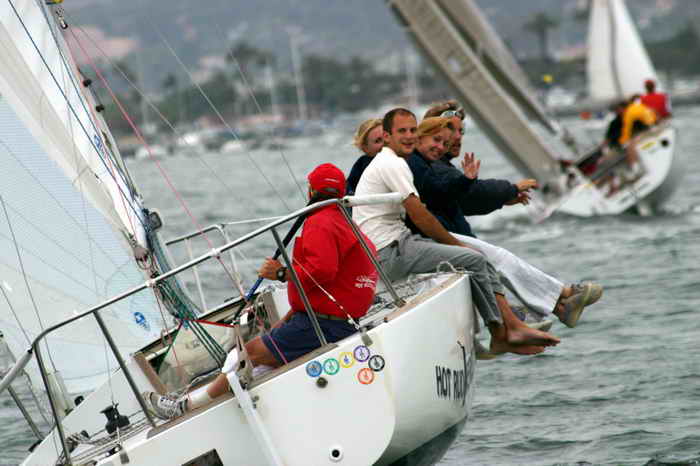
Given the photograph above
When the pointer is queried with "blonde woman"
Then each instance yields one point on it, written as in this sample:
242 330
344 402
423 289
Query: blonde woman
369 138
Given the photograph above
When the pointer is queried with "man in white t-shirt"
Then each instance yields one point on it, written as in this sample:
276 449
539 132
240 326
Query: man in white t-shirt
401 253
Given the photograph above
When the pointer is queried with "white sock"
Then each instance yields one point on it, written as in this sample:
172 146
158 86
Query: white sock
198 398
261 370
231 361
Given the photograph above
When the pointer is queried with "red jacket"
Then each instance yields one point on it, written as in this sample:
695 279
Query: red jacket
328 251
658 102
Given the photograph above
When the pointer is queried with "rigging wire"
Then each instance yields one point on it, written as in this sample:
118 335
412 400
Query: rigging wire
92 259
65 211
152 106
24 276
257 105
65 97
124 176
216 110
138 134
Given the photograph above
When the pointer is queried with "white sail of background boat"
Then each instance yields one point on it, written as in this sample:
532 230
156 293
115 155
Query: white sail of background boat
398 391
457 38
617 62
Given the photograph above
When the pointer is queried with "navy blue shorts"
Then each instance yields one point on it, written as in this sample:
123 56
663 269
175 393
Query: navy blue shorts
296 337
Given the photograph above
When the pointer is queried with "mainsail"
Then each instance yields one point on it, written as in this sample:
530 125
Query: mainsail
70 215
458 39
618 63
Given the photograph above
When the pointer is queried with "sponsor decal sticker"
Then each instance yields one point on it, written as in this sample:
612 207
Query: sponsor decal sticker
365 376
376 363
346 359
331 366
141 321
361 353
314 369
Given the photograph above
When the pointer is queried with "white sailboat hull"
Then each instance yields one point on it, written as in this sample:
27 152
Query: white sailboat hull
663 171
362 416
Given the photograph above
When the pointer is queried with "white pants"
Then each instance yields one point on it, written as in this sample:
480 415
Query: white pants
538 291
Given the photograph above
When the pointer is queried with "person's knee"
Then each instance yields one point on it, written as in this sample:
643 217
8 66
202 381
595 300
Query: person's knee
478 260
259 353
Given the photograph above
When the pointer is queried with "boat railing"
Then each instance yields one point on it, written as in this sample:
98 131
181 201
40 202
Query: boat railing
344 204
223 229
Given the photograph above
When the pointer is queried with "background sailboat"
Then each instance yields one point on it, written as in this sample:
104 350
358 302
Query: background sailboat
458 39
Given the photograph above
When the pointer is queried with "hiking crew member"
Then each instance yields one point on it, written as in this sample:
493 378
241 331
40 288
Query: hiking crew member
439 188
402 253
329 261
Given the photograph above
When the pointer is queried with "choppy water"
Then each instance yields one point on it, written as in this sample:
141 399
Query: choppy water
623 388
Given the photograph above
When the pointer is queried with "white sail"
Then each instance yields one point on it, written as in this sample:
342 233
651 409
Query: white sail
68 208
618 63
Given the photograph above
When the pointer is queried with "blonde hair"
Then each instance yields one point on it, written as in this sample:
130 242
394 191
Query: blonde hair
364 129
434 125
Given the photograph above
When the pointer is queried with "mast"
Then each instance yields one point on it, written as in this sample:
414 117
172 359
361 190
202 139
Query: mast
459 41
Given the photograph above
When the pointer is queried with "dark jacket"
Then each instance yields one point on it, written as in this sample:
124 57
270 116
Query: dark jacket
449 195
438 193
356 172
483 196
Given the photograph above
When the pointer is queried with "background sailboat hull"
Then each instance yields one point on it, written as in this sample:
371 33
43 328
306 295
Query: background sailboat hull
663 172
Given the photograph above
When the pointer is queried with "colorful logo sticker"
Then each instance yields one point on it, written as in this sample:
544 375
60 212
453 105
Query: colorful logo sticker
361 353
331 366
365 376
141 321
346 359
314 369
376 362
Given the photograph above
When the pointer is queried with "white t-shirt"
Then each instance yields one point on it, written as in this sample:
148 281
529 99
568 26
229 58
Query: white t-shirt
387 173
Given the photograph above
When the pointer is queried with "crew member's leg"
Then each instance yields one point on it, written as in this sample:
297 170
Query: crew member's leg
288 341
538 291
414 254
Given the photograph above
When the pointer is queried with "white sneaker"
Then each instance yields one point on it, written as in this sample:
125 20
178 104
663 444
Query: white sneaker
164 406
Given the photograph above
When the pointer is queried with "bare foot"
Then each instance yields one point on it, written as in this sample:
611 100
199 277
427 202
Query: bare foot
500 347
524 335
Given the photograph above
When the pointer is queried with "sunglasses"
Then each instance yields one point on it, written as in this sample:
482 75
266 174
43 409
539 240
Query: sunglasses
459 113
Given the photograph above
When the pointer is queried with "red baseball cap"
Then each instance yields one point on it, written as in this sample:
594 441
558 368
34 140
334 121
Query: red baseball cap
327 179
649 82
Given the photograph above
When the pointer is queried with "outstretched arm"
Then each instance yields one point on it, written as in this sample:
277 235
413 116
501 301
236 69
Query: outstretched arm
427 223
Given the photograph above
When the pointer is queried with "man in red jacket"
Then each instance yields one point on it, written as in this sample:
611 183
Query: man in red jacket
657 101
337 277
330 263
